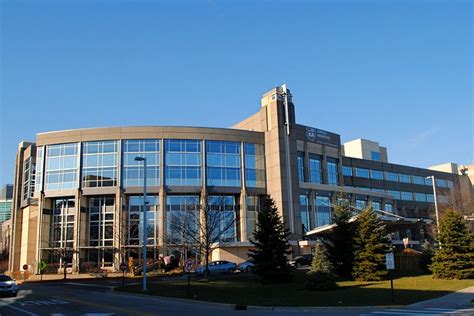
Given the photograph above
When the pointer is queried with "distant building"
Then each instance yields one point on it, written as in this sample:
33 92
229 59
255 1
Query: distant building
365 149
449 167
6 206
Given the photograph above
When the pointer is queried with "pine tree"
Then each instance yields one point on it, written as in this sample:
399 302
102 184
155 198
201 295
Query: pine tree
270 239
339 243
321 274
427 256
371 243
454 256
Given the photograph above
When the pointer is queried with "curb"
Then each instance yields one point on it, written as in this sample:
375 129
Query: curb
254 307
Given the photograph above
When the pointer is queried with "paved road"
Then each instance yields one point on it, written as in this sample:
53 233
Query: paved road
97 298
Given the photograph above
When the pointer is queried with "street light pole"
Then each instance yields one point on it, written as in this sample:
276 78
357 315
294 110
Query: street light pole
435 201
145 239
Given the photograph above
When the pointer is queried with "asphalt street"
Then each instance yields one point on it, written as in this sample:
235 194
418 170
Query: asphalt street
97 298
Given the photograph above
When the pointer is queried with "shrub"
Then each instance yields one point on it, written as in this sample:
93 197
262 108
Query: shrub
321 276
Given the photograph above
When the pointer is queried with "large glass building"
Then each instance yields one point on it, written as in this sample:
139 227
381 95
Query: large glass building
83 189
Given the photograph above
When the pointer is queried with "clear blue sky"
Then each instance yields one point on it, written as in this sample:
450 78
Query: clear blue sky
397 72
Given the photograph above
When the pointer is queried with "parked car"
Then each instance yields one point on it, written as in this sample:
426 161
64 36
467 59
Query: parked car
220 266
8 285
299 261
246 266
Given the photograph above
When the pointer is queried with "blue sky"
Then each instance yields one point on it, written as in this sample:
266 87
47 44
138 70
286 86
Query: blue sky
397 72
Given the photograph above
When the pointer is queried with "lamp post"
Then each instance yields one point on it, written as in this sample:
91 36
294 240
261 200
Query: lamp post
145 239
435 201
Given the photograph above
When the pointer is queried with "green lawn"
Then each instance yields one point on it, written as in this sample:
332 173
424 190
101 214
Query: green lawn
242 289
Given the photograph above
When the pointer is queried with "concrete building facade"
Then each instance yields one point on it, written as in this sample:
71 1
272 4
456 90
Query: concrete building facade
82 189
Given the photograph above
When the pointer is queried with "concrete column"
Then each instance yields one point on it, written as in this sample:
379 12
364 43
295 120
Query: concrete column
312 209
324 165
306 163
39 232
242 232
76 241
243 217
162 220
119 229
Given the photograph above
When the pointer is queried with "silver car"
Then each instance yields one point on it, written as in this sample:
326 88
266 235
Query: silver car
220 266
246 266
8 285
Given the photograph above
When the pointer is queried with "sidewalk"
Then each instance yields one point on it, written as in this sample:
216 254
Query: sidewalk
458 299
58 277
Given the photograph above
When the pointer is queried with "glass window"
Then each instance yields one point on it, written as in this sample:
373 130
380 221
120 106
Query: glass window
254 160
428 181
253 207
62 223
420 197
388 207
396 194
39 169
442 183
360 204
323 210
362 173
300 160
101 210
315 172
347 171
62 164
430 198
223 163
405 178
391 176
100 164
28 178
223 218
418 180
132 171
450 184
182 217
183 162
135 219
333 175
304 209
376 174
375 155
407 196
376 205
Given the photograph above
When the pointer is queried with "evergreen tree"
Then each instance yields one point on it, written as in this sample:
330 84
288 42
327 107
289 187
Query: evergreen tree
270 239
427 256
339 243
371 243
321 275
454 256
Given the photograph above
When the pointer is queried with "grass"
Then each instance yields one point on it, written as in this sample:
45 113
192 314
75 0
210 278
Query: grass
242 289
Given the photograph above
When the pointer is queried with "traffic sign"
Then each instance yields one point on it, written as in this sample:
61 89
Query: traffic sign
189 265
123 267
25 267
42 265
390 261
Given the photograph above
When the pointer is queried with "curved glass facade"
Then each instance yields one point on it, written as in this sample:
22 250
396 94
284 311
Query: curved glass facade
109 163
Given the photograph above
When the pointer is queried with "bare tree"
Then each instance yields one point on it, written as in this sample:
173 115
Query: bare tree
129 234
204 226
61 248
